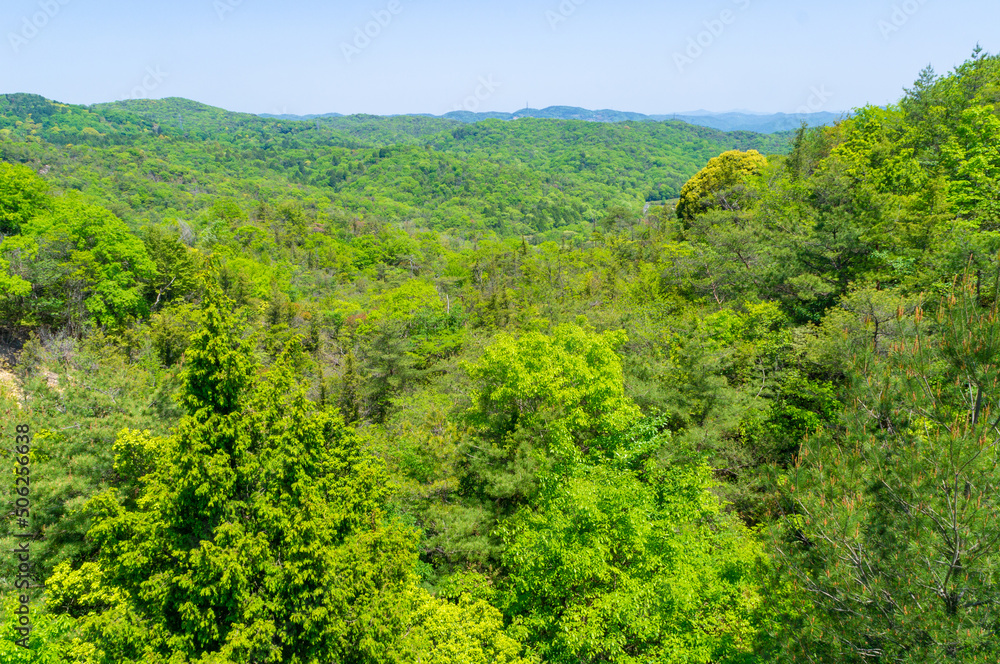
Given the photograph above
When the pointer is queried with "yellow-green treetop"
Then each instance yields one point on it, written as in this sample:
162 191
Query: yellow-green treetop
709 187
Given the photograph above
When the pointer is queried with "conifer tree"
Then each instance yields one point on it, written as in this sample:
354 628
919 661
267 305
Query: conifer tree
895 539
259 536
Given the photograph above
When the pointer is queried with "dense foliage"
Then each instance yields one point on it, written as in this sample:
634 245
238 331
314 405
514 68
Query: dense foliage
174 160
406 390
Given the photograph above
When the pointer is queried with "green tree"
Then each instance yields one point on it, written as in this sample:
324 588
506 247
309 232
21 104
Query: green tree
83 264
895 535
616 564
22 195
176 267
540 401
570 380
51 636
77 396
170 330
468 631
720 184
12 286
261 534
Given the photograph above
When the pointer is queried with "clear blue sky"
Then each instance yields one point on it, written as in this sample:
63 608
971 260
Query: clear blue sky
433 56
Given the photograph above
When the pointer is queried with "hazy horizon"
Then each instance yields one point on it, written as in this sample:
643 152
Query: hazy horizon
697 112
391 57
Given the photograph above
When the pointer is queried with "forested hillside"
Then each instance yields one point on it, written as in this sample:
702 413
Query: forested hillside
174 159
733 121
409 390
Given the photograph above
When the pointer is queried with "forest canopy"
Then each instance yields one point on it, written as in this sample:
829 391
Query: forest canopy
409 390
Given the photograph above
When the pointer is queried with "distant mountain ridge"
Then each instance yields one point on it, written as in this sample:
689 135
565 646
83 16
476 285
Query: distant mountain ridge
729 121
534 176
286 116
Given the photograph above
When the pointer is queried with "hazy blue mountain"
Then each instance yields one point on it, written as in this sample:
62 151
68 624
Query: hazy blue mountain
764 124
287 116
730 121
